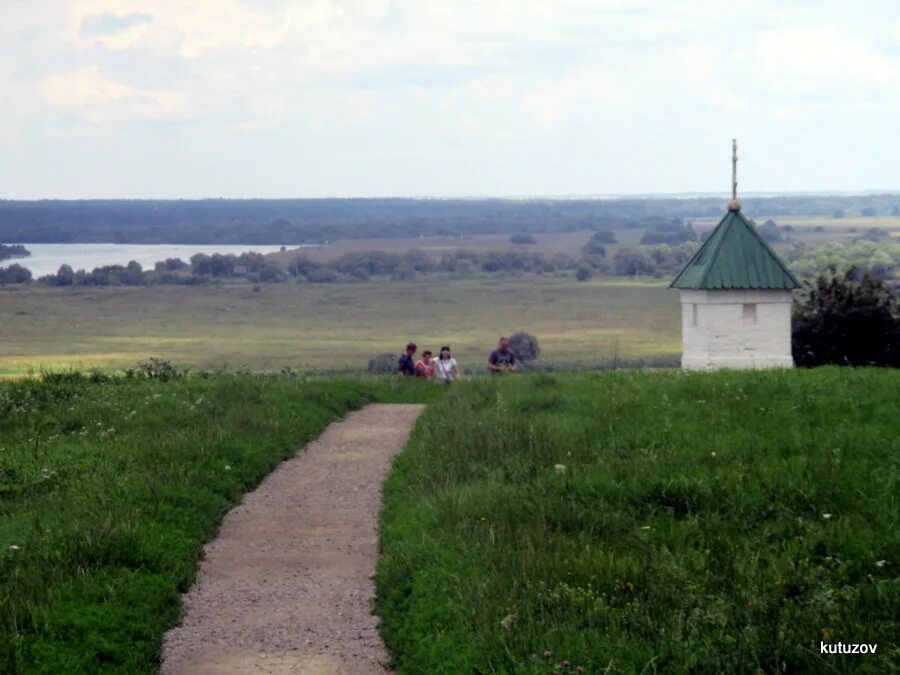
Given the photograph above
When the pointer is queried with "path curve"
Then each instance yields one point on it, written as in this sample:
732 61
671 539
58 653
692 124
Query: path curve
287 586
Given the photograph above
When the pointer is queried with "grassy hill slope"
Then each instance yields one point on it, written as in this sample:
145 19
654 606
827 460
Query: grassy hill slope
109 488
647 522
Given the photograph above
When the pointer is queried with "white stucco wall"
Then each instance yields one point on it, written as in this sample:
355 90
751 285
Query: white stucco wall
728 336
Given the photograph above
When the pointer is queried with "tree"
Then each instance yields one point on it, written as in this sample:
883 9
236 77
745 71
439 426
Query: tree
15 274
670 233
525 346
65 276
594 247
522 238
632 261
604 237
869 212
770 232
847 321
583 273
838 213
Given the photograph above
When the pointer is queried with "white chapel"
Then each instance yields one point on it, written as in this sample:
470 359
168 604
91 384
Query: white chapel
736 297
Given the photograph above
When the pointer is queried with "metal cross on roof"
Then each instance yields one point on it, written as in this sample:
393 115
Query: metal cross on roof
734 204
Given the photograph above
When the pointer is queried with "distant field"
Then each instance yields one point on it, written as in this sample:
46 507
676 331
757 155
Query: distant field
569 243
834 228
330 326
548 244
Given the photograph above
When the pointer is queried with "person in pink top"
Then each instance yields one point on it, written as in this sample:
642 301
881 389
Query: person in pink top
425 366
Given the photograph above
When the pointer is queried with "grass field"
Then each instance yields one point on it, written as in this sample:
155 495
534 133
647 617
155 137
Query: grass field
647 522
108 491
330 326
835 229
569 243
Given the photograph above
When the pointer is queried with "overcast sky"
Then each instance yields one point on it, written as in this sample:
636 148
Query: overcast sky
271 98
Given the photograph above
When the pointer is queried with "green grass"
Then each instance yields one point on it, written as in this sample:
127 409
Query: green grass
703 523
331 326
108 491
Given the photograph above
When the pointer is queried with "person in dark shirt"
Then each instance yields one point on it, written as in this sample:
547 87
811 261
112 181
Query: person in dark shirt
406 365
502 360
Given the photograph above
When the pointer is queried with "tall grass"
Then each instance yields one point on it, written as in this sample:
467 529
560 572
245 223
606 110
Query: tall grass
109 488
647 522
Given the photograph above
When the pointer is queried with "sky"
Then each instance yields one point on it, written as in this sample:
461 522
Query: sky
443 98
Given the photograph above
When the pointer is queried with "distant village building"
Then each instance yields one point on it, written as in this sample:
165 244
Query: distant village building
736 297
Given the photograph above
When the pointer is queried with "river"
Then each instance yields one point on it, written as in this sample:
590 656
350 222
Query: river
47 258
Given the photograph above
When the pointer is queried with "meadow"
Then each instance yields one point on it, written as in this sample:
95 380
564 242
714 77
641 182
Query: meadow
631 522
331 326
110 487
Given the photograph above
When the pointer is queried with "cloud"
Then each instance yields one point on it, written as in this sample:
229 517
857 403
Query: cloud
825 60
191 29
84 92
106 24
454 96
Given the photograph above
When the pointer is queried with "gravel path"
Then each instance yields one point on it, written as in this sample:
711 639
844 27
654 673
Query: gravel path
287 585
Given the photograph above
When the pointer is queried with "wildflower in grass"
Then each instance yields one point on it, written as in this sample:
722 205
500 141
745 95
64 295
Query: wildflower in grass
559 468
645 527
881 563
14 548
547 653
712 454
579 669
508 621
228 467
826 516
566 663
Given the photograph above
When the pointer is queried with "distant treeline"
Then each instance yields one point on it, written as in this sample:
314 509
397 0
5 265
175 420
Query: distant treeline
296 221
656 260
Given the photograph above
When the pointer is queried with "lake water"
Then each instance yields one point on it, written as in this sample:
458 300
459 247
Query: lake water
47 258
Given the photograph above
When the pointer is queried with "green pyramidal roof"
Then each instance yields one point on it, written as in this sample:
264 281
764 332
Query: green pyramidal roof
735 256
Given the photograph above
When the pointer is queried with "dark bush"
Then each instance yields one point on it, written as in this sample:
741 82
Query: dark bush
322 275
583 273
160 369
522 238
525 346
847 321
876 234
383 364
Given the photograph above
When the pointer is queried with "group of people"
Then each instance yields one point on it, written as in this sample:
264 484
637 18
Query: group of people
446 369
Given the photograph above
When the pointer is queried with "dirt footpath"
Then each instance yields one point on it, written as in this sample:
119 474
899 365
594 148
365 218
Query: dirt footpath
287 585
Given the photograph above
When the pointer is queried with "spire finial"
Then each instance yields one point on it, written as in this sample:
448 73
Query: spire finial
734 204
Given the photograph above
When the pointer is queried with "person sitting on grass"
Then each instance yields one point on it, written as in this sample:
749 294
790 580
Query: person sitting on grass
405 365
445 366
425 366
502 360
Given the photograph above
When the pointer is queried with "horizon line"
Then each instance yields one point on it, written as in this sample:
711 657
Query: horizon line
544 197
